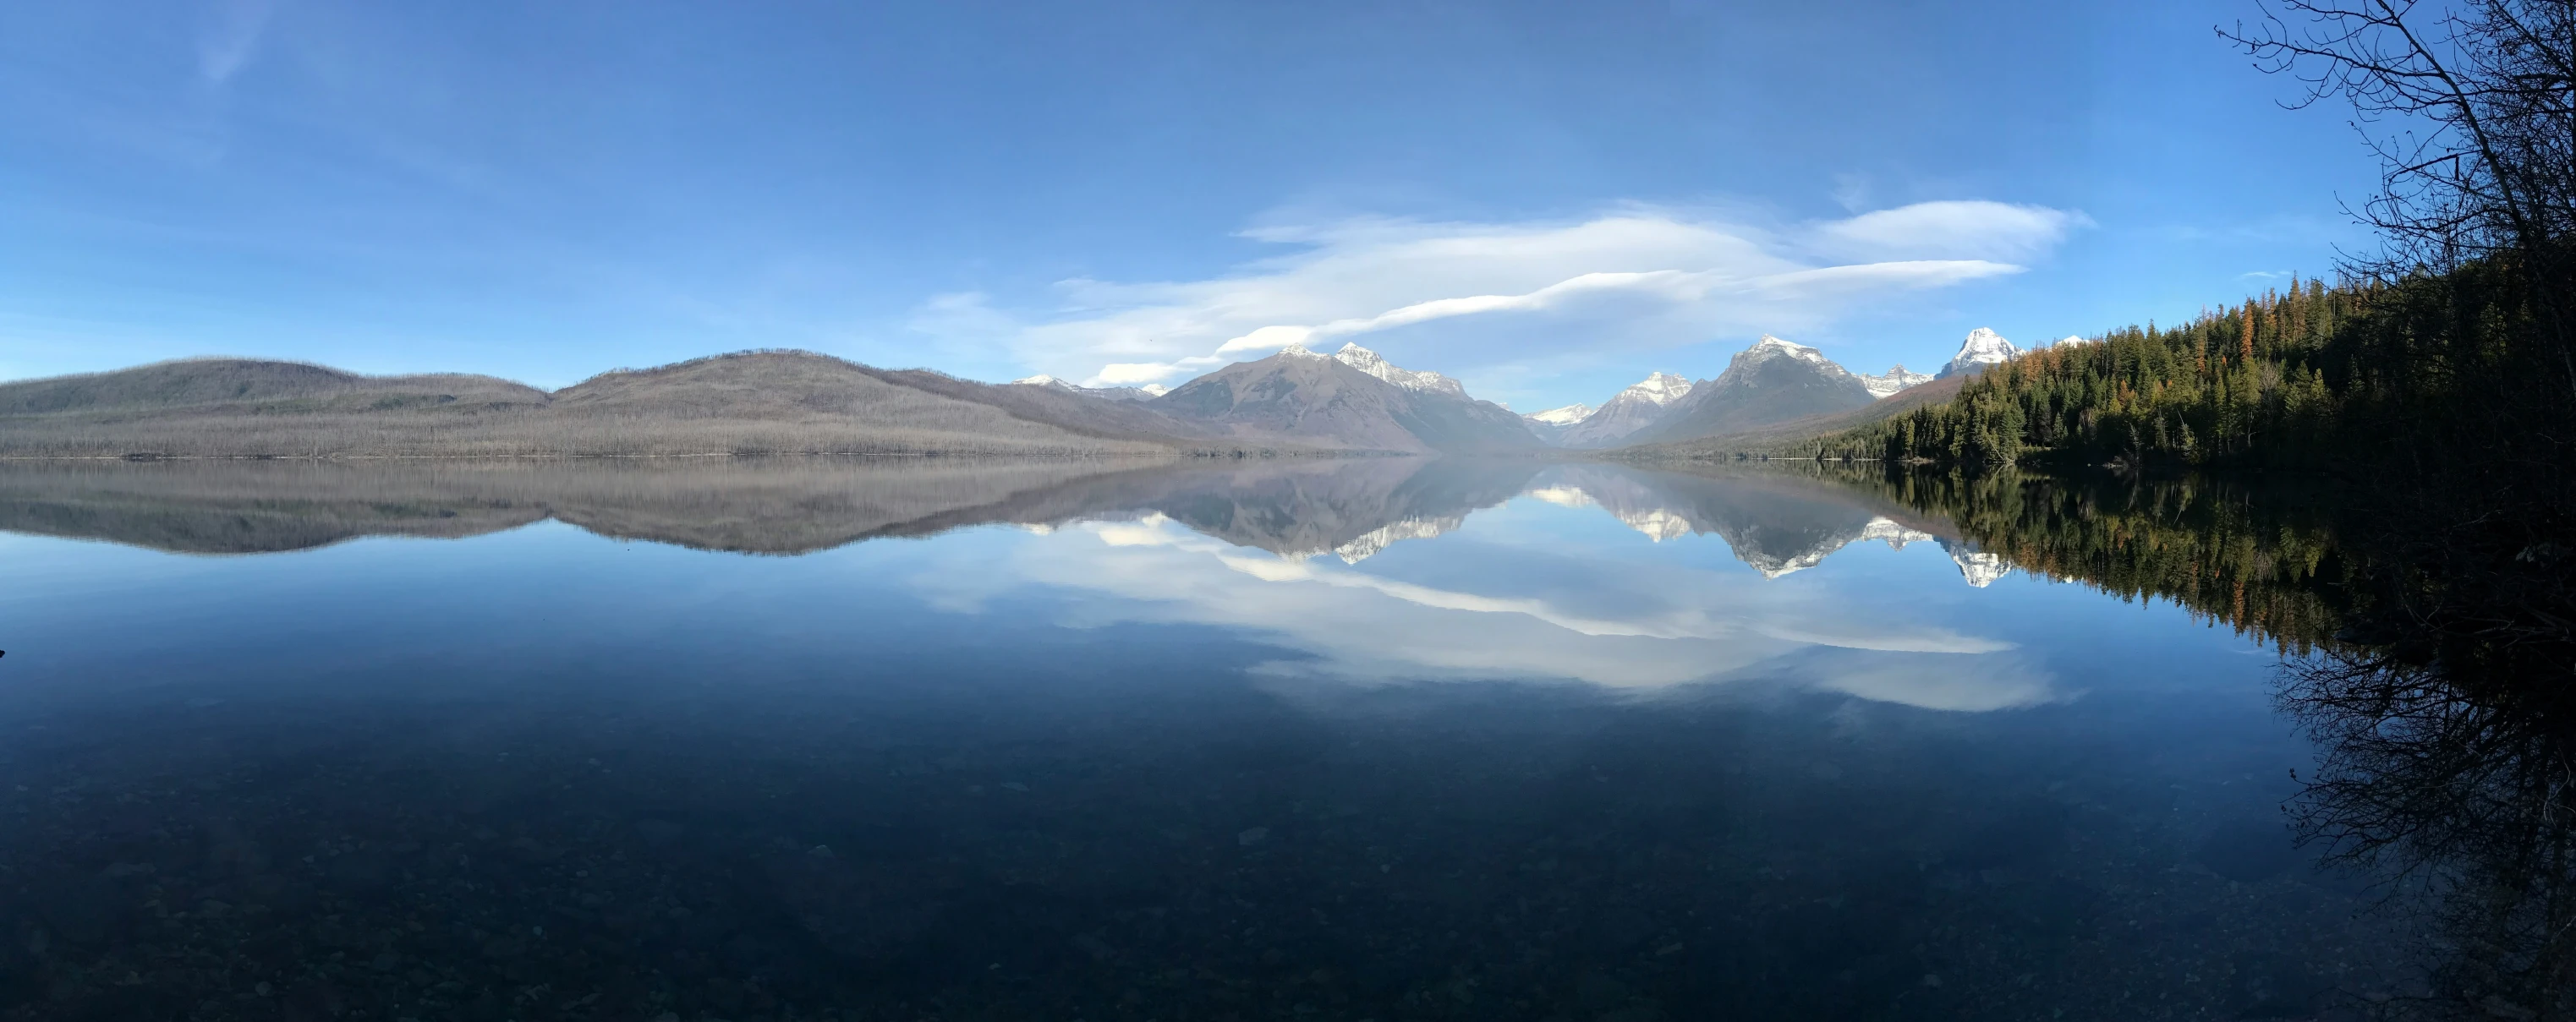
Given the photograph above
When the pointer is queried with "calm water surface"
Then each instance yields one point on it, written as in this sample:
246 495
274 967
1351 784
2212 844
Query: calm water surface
1388 739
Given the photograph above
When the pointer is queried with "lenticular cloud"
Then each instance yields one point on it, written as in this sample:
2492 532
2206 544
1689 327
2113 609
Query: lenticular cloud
1638 278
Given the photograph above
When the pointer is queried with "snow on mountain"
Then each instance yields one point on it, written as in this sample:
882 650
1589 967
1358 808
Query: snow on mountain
1313 398
1370 544
1660 388
1983 348
1552 424
1641 405
1749 362
1773 381
1896 379
1776 537
1150 390
1770 347
1895 535
1657 524
1878 528
1369 362
2072 339
1980 569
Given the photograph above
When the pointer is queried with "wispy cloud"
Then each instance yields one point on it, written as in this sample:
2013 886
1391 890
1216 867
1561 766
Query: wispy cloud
230 36
1851 192
1491 293
1954 230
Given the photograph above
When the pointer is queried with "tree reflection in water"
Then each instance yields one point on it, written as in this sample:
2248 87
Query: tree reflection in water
2431 654
2457 790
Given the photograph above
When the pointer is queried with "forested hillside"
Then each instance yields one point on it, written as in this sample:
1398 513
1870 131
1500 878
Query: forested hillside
2427 367
2247 382
2443 368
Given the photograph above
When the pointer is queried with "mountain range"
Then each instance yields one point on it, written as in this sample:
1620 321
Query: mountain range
1773 385
1294 402
1350 399
1641 405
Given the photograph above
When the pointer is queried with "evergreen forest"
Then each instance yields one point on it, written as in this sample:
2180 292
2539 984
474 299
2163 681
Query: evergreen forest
2425 368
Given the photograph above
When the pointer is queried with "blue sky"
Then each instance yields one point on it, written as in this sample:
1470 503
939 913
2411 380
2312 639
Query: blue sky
1546 200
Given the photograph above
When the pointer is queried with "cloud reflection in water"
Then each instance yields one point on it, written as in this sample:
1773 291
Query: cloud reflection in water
1617 622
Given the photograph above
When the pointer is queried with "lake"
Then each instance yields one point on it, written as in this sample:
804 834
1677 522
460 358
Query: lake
1360 739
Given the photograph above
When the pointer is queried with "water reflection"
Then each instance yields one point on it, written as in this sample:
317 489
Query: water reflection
1528 613
1232 546
1776 522
1377 738
2462 793
2431 670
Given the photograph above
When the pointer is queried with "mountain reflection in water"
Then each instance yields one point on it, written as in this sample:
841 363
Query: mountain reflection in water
1354 508
1374 738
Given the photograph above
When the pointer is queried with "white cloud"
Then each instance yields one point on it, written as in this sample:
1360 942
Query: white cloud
1955 230
1494 293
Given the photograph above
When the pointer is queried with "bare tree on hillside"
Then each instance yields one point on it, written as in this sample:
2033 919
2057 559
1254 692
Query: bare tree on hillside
2471 108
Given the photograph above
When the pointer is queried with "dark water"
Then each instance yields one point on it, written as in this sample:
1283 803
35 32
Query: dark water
1389 739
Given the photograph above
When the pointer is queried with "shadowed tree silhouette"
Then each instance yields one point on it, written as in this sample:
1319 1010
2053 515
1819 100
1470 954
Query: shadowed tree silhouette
2459 788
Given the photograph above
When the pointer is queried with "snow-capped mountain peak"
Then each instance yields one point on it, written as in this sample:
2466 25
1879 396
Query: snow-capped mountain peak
1042 380
1641 405
1660 388
1983 348
1773 347
1155 389
1566 416
1769 349
1299 351
1897 379
1553 424
1370 362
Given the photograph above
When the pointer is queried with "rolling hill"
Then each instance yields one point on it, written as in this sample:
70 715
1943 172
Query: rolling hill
744 403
